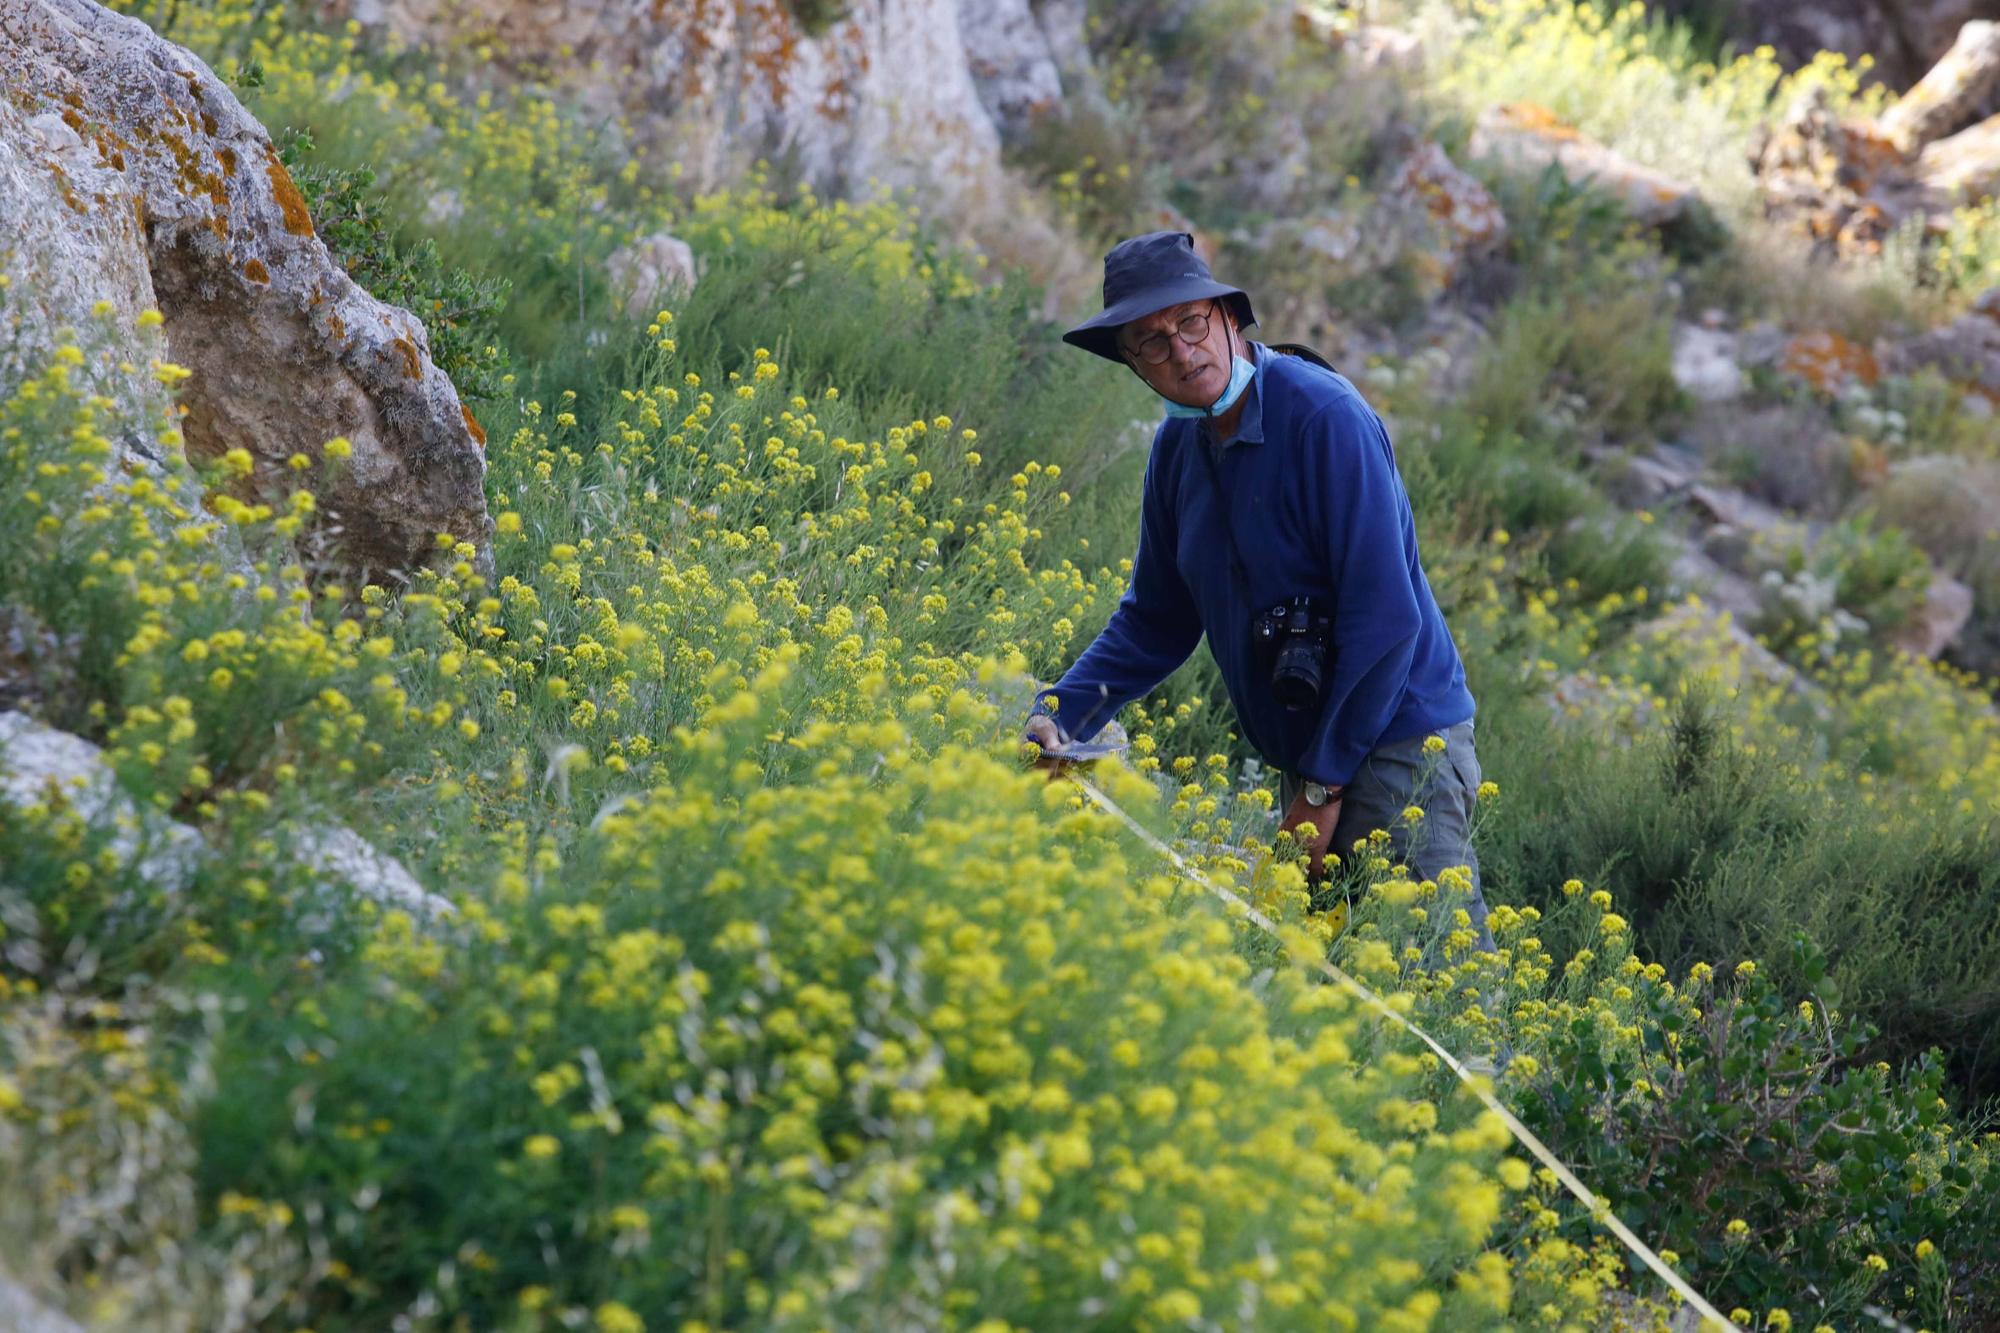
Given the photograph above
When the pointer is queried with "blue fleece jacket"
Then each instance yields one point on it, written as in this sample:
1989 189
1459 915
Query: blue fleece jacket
1318 509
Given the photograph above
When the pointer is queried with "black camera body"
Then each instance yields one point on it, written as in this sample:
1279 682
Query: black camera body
1291 641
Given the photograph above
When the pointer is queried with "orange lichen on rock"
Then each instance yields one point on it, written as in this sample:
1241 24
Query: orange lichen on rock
338 325
298 221
1828 360
1535 116
253 269
413 364
472 425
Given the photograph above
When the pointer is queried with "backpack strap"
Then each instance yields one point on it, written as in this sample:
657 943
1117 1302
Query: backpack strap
1303 352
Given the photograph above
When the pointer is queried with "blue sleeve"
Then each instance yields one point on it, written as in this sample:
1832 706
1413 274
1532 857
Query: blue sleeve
1370 547
1152 631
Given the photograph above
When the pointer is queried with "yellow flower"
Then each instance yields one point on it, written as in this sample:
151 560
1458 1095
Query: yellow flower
1925 1250
614 1317
541 1147
1737 1228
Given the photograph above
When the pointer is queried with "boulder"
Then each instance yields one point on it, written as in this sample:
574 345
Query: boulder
650 272
1012 63
1965 351
1902 38
1705 363
1934 628
1964 168
130 173
39 763
20 1312
916 95
1527 137
1950 93
1840 184
1449 216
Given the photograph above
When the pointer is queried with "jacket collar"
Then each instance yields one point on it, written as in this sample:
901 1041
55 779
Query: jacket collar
1249 426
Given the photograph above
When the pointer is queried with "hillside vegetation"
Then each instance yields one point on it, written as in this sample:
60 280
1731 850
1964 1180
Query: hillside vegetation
760 984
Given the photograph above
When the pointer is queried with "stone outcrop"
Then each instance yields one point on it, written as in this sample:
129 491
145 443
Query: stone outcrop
129 173
1904 39
1454 218
917 94
649 272
38 763
1950 93
1523 136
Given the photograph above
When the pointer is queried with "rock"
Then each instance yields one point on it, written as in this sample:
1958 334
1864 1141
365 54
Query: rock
1935 626
1950 93
1705 364
1830 362
1719 505
1012 63
1617 712
1966 351
1712 640
1455 217
1649 480
347 859
39 763
1693 573
650 273
1842 185
907 94
1902 38
1372 46
1526 137
1966 167
165 192
20 1312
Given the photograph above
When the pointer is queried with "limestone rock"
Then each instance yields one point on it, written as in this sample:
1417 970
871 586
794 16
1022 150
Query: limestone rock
1012 62
1455 217
156 188
39 763
913 94
1902 38
345 858
1705 363
1949 92
1935 626
1964 168
1966 351
651 272
1529 138
1843 185
20 1312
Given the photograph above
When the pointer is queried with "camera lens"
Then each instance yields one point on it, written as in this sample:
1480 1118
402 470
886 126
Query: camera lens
1295 678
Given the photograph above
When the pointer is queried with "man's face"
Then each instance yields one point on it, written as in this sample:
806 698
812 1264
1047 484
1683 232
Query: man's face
1194 374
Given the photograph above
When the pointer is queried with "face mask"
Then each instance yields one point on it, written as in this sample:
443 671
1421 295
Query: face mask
1240 372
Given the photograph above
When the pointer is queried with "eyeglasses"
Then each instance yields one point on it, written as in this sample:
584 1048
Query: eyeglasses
1156 349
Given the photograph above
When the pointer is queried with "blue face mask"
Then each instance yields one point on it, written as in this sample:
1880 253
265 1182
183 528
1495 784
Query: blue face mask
1240 373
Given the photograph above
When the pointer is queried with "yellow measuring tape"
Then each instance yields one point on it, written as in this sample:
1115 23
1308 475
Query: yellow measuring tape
1599 1210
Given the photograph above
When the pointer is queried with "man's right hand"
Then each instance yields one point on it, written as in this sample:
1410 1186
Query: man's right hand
1044 731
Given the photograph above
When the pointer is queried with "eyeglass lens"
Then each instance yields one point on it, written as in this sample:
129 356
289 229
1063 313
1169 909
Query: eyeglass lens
1155 349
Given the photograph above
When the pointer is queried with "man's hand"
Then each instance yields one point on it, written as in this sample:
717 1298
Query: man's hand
1043 731
1322 818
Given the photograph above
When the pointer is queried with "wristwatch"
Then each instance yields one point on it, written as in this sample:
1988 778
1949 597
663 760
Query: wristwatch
1318 793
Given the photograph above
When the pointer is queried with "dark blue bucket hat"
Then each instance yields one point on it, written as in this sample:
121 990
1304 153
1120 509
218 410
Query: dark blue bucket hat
1149 273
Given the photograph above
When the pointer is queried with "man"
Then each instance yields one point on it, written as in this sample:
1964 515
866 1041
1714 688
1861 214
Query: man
1274 520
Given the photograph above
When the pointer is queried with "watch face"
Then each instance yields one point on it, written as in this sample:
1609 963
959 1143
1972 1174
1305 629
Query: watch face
1315 793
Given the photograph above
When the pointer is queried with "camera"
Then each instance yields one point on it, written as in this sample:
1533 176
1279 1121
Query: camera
1291 640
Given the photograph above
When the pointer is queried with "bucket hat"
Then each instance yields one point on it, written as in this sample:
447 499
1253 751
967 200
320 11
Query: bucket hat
1148 273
